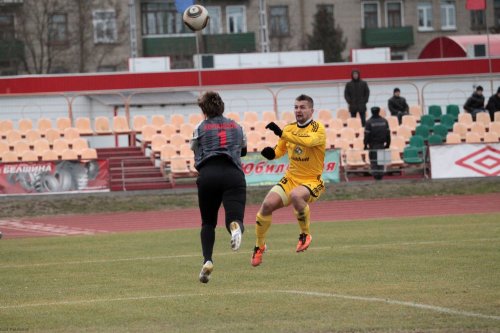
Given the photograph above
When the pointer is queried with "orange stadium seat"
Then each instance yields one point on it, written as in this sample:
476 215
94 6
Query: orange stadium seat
21 146
157 142
24 125
396 157
41 145
324 115
69 155
478 128
495 126
288 116
355 158
343 114
4 147
416 111
491 137
60 144
354 123
195 118
348 134
472 137
453 138
120 125
71 133
82 124
88 154
29 156
234 116
358 144
44 124
79 144
9 156
101 125
483 118
250 116
460 129
5 126
167 152
335 124
138 122
32 135
393 123
466 119
12 136
409 121
52 134
63 123
49 155
177 120
177 140
187 130
404 132
269 116
168 130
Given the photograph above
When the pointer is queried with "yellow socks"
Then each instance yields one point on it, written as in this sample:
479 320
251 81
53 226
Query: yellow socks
261 226
304 219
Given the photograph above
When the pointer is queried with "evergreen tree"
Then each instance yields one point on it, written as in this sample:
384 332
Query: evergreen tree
326 36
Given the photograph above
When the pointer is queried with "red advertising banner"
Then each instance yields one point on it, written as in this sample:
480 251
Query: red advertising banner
54 177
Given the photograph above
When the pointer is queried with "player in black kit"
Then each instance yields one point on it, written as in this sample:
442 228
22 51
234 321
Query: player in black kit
218 143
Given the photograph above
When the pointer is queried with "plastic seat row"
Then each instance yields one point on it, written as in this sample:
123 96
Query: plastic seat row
33 135
48 155
42 125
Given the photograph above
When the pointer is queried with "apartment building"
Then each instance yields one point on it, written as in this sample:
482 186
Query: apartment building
70 36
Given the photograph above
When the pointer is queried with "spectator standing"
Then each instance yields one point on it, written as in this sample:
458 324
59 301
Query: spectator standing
494 104
475 103
377 137
398 106
356 94
218 143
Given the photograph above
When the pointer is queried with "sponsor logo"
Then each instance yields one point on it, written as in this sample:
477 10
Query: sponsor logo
485 161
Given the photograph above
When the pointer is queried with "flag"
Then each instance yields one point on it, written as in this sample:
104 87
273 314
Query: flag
181 5
476 4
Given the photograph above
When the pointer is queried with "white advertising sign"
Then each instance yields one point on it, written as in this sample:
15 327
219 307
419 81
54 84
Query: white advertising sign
465 160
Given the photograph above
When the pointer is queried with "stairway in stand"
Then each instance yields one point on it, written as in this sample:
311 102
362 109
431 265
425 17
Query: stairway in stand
130 170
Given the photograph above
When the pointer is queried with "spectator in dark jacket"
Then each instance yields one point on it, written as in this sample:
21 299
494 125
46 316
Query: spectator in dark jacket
494 104
398 106
475 103
356 94
377 137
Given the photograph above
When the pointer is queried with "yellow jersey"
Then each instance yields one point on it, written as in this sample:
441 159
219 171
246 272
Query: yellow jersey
306 150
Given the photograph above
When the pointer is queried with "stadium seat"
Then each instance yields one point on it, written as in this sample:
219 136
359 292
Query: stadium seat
157 120
41 145
21 146
270 138
187 130
195 118
43 124
179 166
398 142
411 155
71 133
435 111
120 125
491 137
101 125
460 129
447 120
247 127
358 144
87 154
483 118
427 120
52 134
168 130
355 124
32 135
82 124
259 127
29 156
453 110
495 126
416 111
342 144
331 137
167 152
269 116
24 125
79 144
440 130
472 137
5 126
343 114
355 158
69 155
250 116
324 115
234 116
177 120
453 138
417 141
466 119
404 132
147 135
435 139
253 139
13 136
50 155
497 116
138 122
348 134
60 144
177 140
157 142
396 157
63 123
423 131
9 156
186 151
409 121
335 124
4 147
287 116
478 128
393 123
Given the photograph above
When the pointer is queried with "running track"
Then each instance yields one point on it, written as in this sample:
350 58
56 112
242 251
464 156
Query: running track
322 211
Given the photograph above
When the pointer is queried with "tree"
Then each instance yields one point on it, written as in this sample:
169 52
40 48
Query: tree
326 36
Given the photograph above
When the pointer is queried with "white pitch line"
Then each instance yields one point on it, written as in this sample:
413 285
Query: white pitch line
104 261
289 292
393 302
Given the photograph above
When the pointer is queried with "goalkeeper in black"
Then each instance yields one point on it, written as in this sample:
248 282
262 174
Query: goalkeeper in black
218 143
304 142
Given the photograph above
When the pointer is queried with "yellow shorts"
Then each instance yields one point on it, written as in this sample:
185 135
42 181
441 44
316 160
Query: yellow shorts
316 187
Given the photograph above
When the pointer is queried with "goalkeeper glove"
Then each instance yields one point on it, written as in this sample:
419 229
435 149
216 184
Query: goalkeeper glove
275 128
268 153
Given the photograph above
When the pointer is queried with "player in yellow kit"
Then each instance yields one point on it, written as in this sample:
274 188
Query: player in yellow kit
304 142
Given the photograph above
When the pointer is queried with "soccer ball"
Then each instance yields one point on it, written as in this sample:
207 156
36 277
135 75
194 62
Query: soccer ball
195 17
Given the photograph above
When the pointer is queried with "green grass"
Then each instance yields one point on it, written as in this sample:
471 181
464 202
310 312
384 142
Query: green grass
147 282
34 205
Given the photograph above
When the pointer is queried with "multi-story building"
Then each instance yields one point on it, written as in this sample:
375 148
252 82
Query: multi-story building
67 36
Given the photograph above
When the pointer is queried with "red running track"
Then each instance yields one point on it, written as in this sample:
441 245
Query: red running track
322 211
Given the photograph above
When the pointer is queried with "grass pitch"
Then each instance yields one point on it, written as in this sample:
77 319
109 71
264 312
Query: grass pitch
439 274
